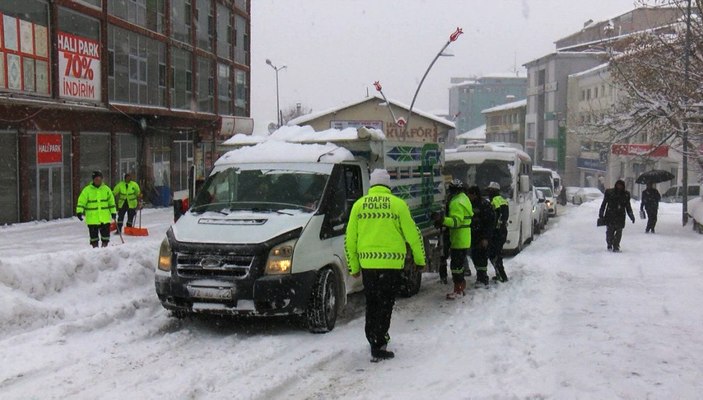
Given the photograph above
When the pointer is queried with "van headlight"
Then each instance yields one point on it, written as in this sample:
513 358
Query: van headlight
280 259
165 256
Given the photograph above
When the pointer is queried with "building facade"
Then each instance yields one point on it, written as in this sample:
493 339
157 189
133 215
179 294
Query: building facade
373 112
469 96
147 87
506 123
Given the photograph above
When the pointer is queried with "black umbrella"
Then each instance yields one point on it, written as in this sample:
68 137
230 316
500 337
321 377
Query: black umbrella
655 176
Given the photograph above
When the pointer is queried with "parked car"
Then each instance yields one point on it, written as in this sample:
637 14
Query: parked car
570 192
584 195
550 200
675 194
539 211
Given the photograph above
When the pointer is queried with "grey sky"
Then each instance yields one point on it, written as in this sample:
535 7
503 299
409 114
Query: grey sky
335 49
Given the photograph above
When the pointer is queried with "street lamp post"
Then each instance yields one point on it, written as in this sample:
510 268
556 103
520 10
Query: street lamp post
278 103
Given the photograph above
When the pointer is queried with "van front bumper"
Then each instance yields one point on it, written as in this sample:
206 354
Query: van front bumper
264 296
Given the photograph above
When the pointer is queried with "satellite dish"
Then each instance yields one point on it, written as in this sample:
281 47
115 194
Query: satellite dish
272 127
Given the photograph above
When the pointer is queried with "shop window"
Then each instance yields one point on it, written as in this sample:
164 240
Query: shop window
24 46
224 32
182 79
206 99
148 14
205 24
241 100
241 40
181 20
127 153
95 156
49 179
224 89
181 161
136 68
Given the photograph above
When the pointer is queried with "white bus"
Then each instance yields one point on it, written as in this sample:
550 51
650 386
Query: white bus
482 163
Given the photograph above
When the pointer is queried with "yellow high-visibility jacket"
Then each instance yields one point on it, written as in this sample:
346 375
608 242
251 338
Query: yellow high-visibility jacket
379 226
97 204
128 192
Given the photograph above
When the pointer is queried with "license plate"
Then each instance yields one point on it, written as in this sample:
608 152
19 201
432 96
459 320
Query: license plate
210 293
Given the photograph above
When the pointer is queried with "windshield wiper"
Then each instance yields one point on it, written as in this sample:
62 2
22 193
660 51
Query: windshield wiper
194 209
257 209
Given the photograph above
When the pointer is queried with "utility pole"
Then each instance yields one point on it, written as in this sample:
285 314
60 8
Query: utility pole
687 66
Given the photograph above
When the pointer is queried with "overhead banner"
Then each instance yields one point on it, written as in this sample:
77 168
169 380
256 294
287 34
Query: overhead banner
49 148
79 67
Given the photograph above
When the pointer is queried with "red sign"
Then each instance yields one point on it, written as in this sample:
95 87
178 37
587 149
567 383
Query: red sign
647 150
49 148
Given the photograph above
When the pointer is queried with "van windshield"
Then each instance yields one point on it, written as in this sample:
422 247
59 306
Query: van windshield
542 179
484 173
260 190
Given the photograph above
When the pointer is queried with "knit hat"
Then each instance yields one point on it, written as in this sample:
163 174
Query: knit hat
494 185
380 177
97 174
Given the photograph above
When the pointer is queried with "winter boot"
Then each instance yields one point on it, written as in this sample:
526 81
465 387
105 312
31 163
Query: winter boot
94 244
458 291
482 278
502 276
105 244
381 354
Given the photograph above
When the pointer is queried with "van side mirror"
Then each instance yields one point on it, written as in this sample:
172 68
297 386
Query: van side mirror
524 183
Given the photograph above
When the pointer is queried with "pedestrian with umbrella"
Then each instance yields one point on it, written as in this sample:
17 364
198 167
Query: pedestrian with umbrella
651 196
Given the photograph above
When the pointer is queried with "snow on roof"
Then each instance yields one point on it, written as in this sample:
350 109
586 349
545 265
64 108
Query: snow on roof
566 53
306 134
309 117
506 106
462 83
474 134
588 71
279 151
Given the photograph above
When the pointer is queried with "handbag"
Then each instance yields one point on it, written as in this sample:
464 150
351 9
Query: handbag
600 222
643 215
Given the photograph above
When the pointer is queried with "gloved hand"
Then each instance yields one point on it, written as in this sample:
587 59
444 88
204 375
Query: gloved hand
632 219
114 216
484 243
438 219
80 216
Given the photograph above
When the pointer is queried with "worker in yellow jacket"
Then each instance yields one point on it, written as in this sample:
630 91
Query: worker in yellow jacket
97 204
458 221
128 196
379 227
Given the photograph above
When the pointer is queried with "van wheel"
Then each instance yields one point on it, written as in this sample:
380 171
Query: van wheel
411 279
321 313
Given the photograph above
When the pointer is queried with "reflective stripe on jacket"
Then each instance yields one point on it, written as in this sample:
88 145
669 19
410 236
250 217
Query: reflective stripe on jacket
97 204
128 192
379 227
459 221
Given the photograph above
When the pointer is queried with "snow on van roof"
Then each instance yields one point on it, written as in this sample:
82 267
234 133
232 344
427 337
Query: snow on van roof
301 134
280 151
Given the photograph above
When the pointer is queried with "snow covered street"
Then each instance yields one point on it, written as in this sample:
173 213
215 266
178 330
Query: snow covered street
574 322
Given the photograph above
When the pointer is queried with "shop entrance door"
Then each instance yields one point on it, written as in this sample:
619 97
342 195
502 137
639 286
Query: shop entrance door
50 191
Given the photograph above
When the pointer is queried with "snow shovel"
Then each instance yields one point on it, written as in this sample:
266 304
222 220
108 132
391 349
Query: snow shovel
132 231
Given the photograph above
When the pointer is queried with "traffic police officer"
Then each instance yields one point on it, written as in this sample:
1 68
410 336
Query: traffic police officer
379 227
458 220
127 193
500 233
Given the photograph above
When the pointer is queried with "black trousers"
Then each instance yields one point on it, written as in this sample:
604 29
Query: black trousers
495 246
380 288
103 230
613 234
479 254
131 212
651 218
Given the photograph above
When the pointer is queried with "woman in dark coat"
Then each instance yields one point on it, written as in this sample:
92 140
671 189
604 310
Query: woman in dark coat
615 204
650 203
